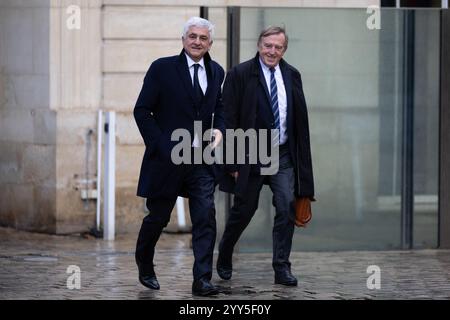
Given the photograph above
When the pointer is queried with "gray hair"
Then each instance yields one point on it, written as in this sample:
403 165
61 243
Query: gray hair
199 22
271 30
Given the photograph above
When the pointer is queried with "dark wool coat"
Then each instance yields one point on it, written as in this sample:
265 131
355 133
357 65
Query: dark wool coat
246 102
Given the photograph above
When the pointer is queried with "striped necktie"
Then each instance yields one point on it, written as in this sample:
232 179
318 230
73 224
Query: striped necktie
274 104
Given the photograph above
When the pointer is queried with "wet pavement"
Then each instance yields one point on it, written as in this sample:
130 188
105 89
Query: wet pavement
39 266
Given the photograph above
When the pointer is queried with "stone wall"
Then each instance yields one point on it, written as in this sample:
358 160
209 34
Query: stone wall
27 124
75 91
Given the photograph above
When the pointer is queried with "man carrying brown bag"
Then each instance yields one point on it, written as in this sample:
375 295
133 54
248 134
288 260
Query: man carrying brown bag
266 93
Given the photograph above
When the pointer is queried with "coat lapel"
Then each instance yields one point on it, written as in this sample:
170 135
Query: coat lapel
210 74
185 76
260 74
290 117
287 79
262 80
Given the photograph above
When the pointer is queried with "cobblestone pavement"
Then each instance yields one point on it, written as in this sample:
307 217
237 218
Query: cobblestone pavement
34 266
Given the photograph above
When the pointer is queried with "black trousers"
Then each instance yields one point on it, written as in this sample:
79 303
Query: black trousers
199 184
243 209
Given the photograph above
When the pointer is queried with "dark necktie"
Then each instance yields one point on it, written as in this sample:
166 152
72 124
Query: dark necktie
197 89
274 104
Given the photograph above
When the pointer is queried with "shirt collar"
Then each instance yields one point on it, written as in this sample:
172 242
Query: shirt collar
192 62
266 68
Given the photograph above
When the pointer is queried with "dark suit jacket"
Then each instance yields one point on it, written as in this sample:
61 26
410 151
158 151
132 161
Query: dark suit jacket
247 105
166 103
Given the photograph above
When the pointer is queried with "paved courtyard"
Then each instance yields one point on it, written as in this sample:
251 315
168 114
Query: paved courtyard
35 266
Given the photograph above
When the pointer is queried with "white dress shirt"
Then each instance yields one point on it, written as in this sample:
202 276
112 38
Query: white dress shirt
282 100
202 78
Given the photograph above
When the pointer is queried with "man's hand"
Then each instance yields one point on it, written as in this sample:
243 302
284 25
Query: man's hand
217 137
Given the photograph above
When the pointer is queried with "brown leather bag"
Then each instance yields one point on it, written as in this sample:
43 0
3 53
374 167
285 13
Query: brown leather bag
302 211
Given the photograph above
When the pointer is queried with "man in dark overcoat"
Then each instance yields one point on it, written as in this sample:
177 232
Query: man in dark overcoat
177 92
266 93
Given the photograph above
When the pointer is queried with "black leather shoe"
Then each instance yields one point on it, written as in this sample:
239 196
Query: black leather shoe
203 287
149 281
224 270
147 277
285 278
